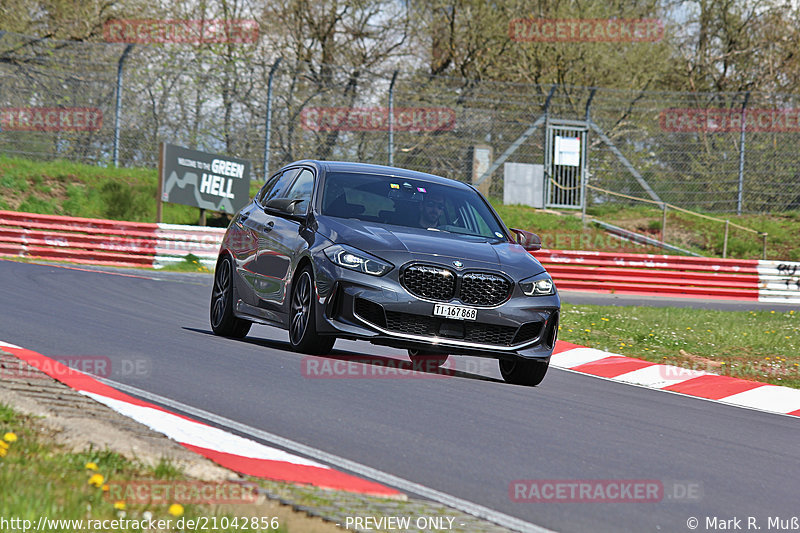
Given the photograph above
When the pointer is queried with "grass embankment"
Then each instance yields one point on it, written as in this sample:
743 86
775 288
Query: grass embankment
75 189
700 235
39 479
760 346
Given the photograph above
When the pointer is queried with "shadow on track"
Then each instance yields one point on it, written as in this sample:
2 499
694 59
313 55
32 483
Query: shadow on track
387 363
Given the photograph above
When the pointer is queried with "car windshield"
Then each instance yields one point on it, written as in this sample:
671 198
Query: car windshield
408 202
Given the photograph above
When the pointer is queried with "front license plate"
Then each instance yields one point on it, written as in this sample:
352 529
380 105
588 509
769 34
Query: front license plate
456 312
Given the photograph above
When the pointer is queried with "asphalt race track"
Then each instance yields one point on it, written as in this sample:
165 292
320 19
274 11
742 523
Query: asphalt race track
468 436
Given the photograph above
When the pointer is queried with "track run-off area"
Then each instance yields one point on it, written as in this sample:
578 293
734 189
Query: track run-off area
466 436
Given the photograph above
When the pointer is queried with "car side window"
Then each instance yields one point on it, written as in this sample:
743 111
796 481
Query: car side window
301 189
275 186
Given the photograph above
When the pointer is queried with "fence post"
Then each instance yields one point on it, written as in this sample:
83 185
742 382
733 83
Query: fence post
391 119
664 222
764 253
741 154
118 109
585 172
268 121
725 241
159 198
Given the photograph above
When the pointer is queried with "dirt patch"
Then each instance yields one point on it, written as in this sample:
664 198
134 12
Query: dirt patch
699 361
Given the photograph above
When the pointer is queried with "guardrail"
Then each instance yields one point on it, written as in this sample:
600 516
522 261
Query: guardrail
105 242
671 275
133 244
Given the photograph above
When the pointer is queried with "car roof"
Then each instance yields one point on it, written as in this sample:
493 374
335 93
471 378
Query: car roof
347 166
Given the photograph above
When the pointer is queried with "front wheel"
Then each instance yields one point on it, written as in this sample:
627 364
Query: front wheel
303 321
520 371
223 321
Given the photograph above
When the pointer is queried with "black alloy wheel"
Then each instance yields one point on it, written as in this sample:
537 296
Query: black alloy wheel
303 334
223 320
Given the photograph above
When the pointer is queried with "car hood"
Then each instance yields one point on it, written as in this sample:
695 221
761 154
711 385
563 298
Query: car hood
399 244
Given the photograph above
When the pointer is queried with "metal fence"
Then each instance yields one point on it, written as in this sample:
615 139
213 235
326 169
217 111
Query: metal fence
63 100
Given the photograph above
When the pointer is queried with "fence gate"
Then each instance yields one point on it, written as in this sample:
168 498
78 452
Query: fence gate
565 163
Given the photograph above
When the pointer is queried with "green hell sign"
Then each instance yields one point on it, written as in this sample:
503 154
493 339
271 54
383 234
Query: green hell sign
209 181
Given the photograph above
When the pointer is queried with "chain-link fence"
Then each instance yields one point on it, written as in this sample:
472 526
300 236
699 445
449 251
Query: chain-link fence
59 100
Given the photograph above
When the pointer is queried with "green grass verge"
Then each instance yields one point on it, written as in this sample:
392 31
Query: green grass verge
190 263
761 346
38 478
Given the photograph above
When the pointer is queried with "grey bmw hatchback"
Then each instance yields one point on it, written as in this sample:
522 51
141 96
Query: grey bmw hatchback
330 250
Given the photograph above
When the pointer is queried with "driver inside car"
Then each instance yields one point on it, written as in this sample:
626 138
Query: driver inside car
431 211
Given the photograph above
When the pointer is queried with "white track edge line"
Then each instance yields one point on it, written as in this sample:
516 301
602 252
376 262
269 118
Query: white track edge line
468 507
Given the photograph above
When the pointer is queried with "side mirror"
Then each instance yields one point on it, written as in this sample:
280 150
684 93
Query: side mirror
530 241
283 205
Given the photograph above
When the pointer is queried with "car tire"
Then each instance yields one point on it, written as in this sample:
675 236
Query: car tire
520 371
223 321
423 361
303 334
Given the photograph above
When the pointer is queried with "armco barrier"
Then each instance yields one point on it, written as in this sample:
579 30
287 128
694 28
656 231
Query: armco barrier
669 275
110 242
104 242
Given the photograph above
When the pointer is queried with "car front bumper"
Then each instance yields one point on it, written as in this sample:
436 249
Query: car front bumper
379 309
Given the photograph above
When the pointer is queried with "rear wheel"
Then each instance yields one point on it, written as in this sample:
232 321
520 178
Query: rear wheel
520 371
303 321
425 361
223 321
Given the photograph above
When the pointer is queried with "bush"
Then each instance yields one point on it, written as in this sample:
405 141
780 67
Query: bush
122 202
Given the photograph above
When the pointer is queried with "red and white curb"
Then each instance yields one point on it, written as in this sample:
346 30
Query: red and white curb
226 449
700 384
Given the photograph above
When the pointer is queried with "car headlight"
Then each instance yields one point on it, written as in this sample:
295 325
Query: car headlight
355 259
539 285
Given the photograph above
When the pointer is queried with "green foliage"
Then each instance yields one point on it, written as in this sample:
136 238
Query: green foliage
525 217
7 416
167 469
190 263
82 201
34 204
123 202
15 184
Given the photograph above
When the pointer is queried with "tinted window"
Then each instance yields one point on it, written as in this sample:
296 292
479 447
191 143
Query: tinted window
408 202
276 185
302 188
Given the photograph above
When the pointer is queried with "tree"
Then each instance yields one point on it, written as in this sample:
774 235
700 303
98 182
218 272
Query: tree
329 47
